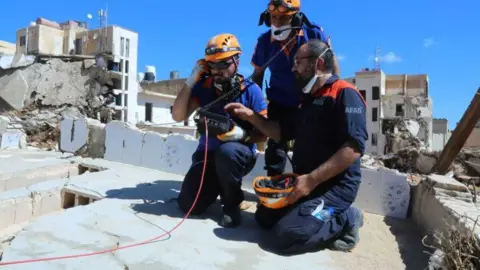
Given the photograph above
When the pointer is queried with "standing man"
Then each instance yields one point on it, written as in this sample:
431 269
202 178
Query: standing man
281 16
231 156
330 133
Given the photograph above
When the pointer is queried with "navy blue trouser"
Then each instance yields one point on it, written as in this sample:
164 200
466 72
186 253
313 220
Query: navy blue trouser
275 154
296 230
226 166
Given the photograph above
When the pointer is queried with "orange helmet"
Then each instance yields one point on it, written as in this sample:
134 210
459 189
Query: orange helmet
272 191
283 7
221 47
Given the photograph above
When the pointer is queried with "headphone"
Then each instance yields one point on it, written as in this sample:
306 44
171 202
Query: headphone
297 21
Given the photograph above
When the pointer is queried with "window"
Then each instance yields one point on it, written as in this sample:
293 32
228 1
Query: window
364 94
23 40
375 93
118 100
399 110
126 83
122 46
374 114
126 66
127 48
148 112
374 139
171 109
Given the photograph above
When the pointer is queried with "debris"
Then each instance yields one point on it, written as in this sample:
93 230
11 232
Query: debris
455 250
36 97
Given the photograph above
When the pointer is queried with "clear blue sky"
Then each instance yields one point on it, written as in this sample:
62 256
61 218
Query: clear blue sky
439 38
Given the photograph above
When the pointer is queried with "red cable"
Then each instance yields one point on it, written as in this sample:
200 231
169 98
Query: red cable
132 245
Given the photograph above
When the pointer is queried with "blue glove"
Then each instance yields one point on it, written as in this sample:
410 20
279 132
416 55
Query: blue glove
236 134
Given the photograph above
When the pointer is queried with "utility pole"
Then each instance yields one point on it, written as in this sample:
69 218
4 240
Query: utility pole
460 135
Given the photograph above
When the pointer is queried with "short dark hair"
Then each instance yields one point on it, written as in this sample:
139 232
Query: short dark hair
316 47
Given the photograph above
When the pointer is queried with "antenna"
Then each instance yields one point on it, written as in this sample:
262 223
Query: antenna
378 59
102 18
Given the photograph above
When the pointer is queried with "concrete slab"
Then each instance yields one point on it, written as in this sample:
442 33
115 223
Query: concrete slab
384 193
24 168
25 203
20 160
137 207
11 139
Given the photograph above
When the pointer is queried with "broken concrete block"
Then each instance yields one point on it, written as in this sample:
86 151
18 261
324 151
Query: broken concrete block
123 143
384 193
413 127
114 141
73 135
12 140
444 182
4 123
13 89
152 150
96 138
424 164
177 153
132 145
87 63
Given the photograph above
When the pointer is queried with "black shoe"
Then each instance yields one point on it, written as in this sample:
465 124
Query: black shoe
350 237
231 219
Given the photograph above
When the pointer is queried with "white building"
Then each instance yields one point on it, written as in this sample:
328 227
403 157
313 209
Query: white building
155 102
392 97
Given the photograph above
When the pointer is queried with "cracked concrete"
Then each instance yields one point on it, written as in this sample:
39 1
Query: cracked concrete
135 205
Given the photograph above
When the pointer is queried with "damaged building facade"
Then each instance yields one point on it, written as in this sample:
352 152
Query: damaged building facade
115 48
399 110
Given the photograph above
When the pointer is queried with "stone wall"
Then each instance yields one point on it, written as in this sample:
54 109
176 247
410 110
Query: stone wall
382 192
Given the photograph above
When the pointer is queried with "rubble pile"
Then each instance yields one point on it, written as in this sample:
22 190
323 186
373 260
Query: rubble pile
402 134
38 96
421 162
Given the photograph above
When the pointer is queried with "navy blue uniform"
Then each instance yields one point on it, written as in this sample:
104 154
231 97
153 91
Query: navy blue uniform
228 162
325 121
281 91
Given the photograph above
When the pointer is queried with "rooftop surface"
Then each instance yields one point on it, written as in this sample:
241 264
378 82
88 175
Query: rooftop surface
135 204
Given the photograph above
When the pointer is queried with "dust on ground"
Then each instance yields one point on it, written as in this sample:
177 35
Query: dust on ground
385 243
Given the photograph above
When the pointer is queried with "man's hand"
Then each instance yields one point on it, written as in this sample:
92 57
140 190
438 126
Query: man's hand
236 134
304 184
198 71
240 111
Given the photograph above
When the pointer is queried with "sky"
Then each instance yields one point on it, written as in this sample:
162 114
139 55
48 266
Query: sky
438 38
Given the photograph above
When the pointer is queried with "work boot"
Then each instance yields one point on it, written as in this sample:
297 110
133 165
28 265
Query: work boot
231 219
350 236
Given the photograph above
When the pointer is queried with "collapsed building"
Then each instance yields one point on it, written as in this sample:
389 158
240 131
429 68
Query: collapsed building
399 110
35 95
59 70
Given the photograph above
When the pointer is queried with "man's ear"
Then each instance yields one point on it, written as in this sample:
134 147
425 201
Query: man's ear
320 64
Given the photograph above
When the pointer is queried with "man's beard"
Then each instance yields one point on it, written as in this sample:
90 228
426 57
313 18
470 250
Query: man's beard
301 80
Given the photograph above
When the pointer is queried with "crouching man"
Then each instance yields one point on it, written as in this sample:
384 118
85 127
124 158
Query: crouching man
231 156
330 133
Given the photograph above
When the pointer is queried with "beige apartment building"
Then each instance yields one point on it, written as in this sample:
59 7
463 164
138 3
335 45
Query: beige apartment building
391 97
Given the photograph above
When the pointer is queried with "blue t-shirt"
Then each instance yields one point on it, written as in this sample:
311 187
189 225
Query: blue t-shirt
282 79
205 92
